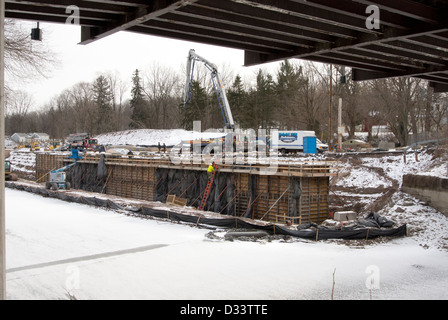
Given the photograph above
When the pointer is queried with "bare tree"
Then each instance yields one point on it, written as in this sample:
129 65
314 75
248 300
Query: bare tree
160 84
313 99
24 58
19 103
402 104
355 105
17 106
118 89
439 112
82 107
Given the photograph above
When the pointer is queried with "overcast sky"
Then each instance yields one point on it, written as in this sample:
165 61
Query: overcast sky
123 53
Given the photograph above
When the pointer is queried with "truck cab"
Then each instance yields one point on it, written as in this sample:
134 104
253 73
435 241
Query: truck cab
321 147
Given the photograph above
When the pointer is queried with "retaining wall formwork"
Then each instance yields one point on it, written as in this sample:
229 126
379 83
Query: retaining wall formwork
293 194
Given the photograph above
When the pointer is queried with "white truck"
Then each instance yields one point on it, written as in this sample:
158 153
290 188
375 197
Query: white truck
292 141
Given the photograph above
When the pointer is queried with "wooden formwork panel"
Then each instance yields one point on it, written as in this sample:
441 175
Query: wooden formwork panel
131 182
314 200
271 197
242 193
45 163
271 201
274 201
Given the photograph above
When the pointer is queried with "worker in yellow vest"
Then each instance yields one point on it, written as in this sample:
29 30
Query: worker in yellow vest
211 170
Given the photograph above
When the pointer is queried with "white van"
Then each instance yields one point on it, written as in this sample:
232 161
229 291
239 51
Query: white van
292 141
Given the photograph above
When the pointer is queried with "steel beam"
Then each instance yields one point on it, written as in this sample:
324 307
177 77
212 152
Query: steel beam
240 38
358 10
235 28
412 39
363 75
54 19
286 14
389 36
392 51
411 9
138 16
439 87
379 55
143 29
85 6
49 12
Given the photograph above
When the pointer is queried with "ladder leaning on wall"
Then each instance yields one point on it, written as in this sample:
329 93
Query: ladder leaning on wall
208 188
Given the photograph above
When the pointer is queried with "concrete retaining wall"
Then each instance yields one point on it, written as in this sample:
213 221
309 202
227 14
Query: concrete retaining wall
433 190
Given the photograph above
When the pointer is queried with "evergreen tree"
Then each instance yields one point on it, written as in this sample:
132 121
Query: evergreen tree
237 97
289 78
103 98
138 104
261 102
196 108
288 103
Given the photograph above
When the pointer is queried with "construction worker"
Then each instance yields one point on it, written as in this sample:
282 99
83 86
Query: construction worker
211 170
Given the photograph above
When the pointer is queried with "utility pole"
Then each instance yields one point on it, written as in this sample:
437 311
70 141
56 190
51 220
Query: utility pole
2 154
340 128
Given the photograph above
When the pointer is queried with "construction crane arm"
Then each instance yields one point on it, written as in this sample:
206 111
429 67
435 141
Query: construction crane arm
217 84
75 156
64 168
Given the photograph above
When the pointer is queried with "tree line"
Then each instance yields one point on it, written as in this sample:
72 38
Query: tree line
297 96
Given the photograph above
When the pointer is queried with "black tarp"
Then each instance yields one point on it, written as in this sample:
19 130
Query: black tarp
88 176
373 219
314 233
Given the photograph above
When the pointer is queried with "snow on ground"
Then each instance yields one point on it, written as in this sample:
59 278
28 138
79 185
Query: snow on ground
23 160
396 167
427 226
55 247
152 137
361 177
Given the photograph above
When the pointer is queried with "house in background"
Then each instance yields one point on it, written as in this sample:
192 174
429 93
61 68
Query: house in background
24 138
42 137
19 138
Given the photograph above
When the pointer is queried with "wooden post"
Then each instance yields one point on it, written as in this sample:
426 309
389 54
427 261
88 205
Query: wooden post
330 108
